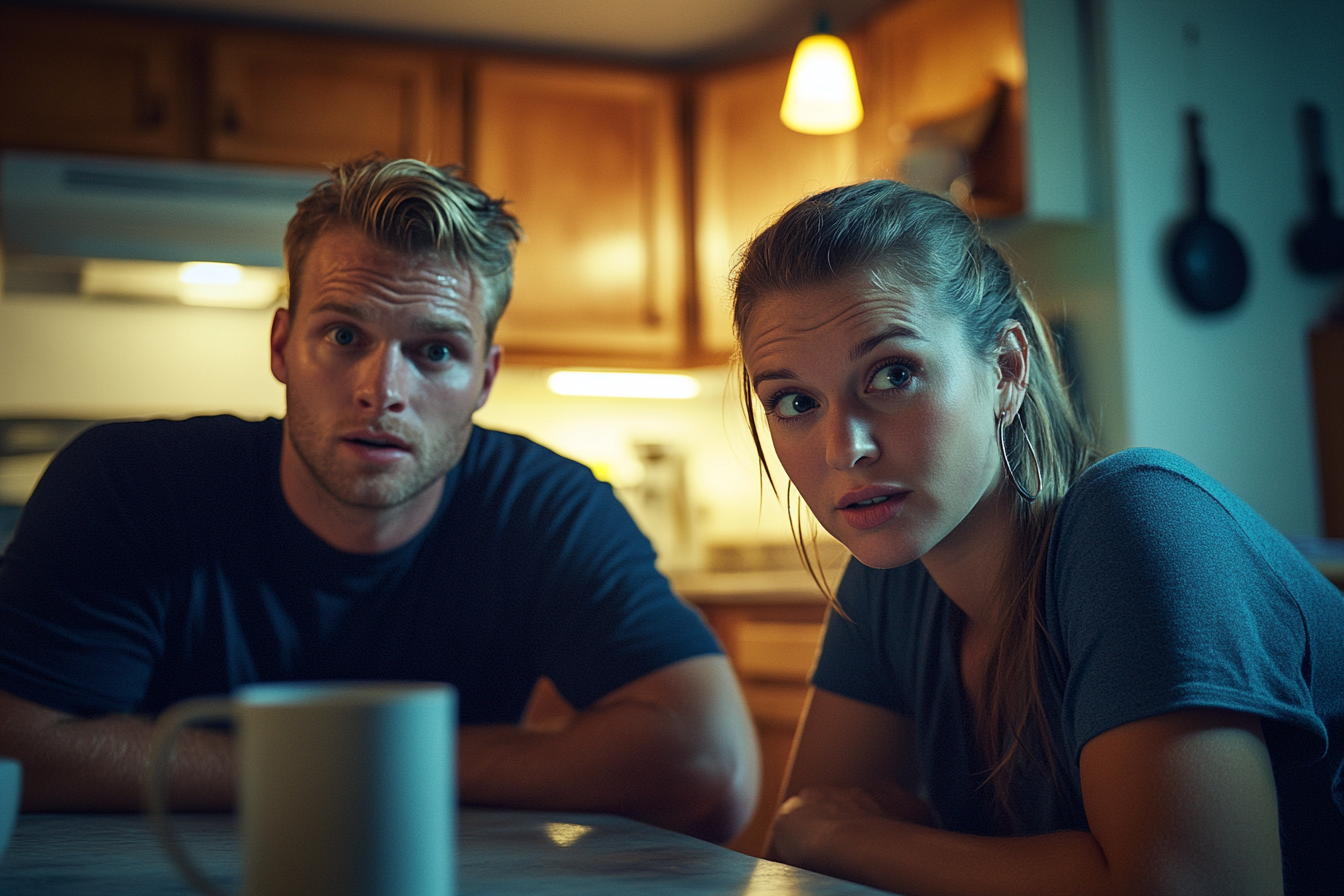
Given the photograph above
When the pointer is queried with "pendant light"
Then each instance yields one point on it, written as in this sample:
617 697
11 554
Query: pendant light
822 95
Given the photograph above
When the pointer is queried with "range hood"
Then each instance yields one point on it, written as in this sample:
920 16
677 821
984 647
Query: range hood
156 210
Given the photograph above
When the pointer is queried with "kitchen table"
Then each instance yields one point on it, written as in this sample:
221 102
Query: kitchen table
500 853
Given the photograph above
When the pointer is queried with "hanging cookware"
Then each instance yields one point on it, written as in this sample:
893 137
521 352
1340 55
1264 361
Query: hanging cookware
1204 256
1317 244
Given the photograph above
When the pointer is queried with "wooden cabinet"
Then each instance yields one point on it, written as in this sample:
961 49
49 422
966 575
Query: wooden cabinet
290 100
749 167
94 83
943 84
88 82
596 161
942 87
589 159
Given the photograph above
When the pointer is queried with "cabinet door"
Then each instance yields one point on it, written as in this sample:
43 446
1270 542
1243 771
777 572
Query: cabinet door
91 83
943 88
749 167
589 160
291 100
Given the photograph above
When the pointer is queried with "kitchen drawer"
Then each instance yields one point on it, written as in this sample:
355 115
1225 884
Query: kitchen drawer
769 650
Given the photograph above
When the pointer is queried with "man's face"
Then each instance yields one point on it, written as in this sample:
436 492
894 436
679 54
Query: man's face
384 360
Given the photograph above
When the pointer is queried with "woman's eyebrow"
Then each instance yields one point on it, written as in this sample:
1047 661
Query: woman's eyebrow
782 373
900 331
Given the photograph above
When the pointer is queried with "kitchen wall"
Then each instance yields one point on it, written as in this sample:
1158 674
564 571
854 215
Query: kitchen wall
1229 391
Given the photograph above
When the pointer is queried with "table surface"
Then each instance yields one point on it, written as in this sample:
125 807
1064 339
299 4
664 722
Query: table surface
500 853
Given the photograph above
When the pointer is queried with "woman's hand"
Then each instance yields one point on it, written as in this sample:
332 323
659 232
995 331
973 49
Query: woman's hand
808 822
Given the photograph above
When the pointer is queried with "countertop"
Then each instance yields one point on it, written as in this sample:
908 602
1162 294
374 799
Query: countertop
749 586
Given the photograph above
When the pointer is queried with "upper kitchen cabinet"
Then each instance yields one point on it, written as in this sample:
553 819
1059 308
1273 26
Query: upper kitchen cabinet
84 82
310 101
589 159
943 84
749 167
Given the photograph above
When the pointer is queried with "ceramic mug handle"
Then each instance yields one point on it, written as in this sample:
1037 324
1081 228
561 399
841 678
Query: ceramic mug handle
169 725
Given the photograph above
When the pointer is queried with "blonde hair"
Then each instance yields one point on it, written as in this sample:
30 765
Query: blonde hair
412 207
904 240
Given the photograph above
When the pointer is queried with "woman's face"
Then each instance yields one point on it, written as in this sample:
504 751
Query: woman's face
881 414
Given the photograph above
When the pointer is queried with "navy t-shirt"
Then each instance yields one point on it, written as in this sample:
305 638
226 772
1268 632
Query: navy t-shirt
1163 591
159 560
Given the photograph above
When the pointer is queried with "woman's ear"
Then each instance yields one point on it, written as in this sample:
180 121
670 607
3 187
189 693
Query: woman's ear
1014 364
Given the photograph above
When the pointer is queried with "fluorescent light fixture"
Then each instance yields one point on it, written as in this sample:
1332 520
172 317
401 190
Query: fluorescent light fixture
822 94
192 283
613 384
212 272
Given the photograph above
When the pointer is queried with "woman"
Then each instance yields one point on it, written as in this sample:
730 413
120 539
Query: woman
1043 673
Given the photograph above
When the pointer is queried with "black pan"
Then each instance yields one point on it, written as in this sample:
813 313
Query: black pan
1317 244
1204 256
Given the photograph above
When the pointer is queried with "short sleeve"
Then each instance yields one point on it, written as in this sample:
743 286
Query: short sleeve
1169 600
611 616
878 650
80 628
565 564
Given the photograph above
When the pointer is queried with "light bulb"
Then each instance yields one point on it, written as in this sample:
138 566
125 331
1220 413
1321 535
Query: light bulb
822 94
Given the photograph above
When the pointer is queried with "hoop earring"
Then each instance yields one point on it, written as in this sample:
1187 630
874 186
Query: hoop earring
1007 464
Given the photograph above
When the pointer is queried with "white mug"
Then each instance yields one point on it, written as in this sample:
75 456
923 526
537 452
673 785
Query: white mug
345 788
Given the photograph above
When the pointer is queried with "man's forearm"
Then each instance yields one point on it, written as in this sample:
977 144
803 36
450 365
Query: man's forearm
101 764
628 758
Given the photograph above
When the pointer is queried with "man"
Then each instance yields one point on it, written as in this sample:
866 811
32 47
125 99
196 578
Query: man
374 533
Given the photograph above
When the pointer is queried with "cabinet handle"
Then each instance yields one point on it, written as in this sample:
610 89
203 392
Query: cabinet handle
149 111
228 118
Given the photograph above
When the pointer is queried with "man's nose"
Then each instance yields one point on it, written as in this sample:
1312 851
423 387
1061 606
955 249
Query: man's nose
850 441
381 385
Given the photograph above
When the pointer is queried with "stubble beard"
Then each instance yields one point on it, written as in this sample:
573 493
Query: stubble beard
377 490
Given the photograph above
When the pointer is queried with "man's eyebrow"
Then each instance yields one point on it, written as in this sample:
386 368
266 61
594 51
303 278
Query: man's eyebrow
442 325
420 325
900 331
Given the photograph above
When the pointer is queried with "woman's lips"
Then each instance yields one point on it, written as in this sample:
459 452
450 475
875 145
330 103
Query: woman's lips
868 508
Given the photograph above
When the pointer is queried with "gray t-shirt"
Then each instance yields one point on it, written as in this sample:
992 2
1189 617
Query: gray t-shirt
1163 591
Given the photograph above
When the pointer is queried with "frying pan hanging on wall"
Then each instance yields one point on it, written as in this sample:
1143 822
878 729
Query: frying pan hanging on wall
1204 256
1318 243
